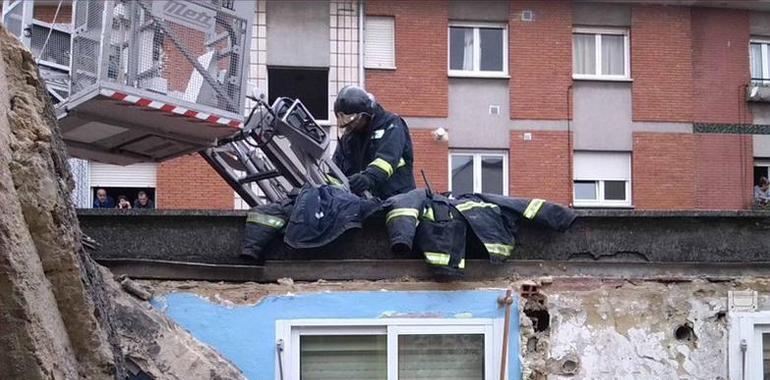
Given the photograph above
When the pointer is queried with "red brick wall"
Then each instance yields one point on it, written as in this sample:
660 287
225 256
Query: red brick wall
541 167
540 59
46 13
419 85
724 171
661 63
664 171
720 65
433 157
189 182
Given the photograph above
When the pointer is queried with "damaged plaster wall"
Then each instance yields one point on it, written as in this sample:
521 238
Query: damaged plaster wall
569 328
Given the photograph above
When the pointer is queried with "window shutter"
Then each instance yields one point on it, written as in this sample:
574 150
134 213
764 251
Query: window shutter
602 166
343 357
379 43
137 175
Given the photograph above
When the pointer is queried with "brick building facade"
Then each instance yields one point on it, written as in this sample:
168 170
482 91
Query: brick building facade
592 104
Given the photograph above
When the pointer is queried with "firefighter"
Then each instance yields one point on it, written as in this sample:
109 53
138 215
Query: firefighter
375 150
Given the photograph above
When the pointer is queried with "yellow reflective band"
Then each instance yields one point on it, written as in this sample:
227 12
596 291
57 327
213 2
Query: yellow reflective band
397 212
462 207
436 258
427 213
533 207
383 165
265 220
499 249
462 264
332 180
401 163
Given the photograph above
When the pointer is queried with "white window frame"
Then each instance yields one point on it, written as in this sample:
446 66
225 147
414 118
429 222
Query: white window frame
477 180
288 333
477 72
746 327
765 64
597 32
600 201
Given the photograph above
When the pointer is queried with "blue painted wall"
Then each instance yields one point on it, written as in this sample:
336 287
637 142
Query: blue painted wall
246 334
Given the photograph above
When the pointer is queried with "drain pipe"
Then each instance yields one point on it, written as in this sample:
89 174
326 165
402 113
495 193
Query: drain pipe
505 301
361 73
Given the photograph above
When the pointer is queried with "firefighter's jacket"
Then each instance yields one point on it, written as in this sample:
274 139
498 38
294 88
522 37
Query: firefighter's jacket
438 225
316 217
495 219
383 153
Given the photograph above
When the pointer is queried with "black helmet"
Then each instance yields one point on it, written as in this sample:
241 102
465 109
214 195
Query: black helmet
353 106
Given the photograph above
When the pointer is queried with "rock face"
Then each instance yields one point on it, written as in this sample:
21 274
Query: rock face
53 323
61 315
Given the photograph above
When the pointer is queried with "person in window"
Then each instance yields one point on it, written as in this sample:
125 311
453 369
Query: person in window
762 193
103 200
375 150
123 203
142 201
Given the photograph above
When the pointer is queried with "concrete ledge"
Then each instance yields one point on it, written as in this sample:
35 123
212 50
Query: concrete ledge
214 237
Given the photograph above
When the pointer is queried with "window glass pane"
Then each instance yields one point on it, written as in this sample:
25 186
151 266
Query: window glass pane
585 190
457 356
766 356
756 60
492 174
584 53
491 49
460 48
343 357
613 55
462 174
615 190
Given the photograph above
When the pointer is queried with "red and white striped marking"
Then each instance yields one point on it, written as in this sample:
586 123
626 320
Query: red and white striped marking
170 108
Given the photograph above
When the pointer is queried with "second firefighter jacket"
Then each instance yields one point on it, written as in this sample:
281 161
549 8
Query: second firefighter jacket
438 225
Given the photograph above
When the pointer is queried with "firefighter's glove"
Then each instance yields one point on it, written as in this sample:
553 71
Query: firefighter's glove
359 183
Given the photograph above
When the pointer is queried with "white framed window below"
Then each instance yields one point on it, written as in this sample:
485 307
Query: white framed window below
758 55
601 54
389 349
478 50
749 345
380 43
478 172
602 179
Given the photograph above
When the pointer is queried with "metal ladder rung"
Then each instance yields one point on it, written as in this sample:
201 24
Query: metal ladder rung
259 176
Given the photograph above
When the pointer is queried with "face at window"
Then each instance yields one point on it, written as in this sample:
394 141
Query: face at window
101 195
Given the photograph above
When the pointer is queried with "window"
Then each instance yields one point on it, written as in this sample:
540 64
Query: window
760 70
390 349
600 54
478 173
478 50
311 86
749 345
602 179
379 41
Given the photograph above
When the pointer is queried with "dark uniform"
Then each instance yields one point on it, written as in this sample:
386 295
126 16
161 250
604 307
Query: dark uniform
383 153
437 225
375 153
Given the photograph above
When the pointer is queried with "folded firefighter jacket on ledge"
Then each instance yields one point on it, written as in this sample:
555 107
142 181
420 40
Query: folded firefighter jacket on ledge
316 217
436 225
